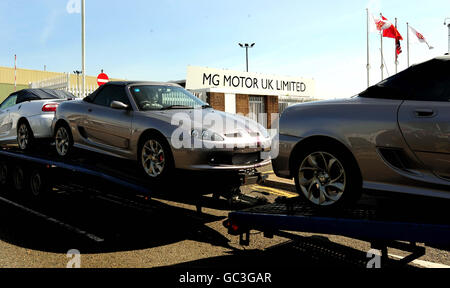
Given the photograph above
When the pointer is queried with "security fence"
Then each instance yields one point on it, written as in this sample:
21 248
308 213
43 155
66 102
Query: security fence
62 82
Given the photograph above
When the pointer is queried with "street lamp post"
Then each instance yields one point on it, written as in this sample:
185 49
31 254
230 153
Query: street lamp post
246 46
448 25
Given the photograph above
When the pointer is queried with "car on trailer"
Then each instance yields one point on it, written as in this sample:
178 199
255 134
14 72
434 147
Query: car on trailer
26 116
393 137
135 121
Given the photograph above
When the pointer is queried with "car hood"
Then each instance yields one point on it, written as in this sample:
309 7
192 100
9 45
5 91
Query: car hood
328 102
216 121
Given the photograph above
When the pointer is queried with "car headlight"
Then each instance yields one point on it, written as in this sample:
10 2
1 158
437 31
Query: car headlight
206 135
263 131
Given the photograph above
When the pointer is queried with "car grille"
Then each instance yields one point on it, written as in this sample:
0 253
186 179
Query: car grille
234 158
238 134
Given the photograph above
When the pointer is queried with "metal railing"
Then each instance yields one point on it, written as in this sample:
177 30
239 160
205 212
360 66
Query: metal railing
62 82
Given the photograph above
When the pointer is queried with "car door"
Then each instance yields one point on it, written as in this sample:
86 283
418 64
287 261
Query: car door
105 125
424 118
6 123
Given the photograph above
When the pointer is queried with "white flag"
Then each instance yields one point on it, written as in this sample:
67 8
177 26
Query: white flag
418 37
373 24
377 25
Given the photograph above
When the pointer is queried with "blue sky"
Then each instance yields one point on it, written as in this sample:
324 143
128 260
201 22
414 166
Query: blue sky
156 40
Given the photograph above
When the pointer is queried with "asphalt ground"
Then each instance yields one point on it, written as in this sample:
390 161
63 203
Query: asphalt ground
112 231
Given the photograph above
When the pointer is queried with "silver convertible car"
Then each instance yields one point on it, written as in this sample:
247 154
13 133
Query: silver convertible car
161 126
27 115
394 137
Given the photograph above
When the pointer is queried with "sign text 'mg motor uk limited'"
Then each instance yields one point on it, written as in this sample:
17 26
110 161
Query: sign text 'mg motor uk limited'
253 83
228 81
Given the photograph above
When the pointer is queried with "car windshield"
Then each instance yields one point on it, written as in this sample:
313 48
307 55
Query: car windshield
151 97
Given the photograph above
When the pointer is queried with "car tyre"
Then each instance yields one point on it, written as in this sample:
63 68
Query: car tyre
155 157
63 140
326 177
25 137
19 178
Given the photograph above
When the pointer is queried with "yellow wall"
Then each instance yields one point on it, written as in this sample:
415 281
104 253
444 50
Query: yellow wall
7 89
26 76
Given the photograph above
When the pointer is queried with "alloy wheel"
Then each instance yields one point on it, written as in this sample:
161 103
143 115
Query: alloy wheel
62 141
322 178
23 136
153 158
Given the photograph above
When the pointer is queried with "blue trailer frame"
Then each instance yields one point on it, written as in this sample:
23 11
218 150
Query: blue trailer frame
382 229
98 172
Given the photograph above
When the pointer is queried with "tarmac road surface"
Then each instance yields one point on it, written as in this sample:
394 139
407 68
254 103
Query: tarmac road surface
110 231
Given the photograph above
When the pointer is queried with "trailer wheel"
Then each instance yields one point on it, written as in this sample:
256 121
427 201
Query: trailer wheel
4 173
38 184
18 175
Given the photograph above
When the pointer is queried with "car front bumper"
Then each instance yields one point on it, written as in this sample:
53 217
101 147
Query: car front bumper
281 164
226 159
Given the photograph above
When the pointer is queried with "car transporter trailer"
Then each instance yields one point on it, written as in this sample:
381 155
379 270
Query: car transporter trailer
382 228
40 171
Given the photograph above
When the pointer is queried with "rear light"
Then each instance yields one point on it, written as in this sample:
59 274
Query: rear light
233 228
50 107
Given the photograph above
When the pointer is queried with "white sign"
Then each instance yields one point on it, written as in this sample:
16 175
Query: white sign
228 81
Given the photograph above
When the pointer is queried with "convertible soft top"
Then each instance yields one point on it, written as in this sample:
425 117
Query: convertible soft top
40 94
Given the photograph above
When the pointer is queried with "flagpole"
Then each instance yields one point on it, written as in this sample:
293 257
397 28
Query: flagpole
381 50
448 37
407 41
368 59
15 73
83 48
395 50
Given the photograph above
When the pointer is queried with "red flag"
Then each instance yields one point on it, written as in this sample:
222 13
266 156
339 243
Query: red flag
389 30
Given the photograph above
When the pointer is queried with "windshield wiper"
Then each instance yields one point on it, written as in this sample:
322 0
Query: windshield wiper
176 107
206 106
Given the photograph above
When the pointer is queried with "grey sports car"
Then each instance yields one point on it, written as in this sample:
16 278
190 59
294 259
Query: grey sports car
161 126
395 137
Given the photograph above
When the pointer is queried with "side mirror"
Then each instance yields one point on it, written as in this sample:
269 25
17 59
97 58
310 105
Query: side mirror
119 105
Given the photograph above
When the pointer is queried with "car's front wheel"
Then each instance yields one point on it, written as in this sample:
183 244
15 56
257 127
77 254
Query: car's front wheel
326 177
63 140
155 157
